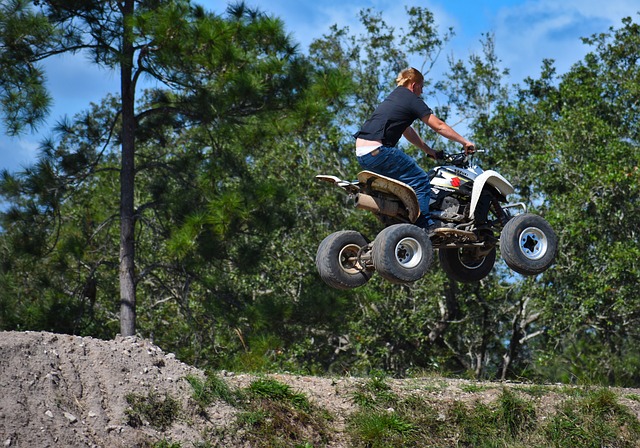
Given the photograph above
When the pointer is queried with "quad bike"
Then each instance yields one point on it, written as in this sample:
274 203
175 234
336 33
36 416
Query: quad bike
471 215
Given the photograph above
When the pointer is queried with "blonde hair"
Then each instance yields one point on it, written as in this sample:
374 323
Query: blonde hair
408 76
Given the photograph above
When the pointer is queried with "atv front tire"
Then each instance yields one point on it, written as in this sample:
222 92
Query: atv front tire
402 253
465 265
528 244
337 260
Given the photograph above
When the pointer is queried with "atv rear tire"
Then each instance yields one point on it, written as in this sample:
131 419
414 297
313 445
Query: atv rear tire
402 253
528 244
464 265
337 260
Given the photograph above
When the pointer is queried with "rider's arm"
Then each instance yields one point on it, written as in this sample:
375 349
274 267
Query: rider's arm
446 131
413 137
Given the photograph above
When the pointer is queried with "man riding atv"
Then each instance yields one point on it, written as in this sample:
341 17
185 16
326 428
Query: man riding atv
377 139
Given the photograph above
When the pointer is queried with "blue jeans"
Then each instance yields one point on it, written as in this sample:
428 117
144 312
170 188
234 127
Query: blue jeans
394 163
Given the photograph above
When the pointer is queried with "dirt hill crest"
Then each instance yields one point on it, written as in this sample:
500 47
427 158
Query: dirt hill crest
70 391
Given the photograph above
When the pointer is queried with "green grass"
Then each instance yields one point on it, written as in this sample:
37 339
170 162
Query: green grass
472 388
374 392
514 414
380 429
274 415
594 420
159 412
634 397
166 444
587 418
277 391
207 391
534 390
384 419
271 414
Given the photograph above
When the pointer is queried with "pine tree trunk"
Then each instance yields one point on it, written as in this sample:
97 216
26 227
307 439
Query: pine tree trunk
127 179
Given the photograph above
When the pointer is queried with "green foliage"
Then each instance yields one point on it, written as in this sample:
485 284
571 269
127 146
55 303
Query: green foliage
228 215
24 101
416 413
510 419
634 397
508 422
514 413
573 132
269 413
477 424
378 424
408 414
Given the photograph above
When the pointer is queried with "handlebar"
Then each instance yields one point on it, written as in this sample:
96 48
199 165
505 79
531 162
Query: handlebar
461 159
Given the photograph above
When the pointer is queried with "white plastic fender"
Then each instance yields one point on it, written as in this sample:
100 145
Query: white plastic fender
406 194
350 187
492 178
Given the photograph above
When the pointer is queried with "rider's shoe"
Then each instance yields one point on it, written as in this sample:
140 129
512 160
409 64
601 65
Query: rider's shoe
433 227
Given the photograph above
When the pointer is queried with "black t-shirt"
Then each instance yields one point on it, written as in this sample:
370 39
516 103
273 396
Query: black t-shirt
390 119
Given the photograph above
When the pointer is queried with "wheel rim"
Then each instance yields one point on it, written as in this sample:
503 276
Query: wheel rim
348 259
408 252
469 259
533 243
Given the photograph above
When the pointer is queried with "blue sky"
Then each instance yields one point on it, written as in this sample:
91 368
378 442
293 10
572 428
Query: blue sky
526 32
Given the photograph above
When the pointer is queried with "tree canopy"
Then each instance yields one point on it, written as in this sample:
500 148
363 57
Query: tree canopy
193 203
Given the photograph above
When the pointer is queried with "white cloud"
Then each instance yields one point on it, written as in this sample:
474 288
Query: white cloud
534 30
526 32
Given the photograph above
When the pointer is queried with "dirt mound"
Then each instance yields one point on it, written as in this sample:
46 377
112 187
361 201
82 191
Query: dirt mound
60 390
70 391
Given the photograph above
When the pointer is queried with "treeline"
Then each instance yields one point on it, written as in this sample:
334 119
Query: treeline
225 216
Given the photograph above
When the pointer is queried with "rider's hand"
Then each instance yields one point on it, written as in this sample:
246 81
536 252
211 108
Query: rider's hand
439 155
469 148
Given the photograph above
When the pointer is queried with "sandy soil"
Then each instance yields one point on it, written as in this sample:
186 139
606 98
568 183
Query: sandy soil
68 391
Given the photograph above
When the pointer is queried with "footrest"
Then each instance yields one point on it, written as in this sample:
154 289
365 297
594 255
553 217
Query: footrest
447 232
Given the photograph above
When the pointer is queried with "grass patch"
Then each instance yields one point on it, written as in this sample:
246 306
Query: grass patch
388 421
381 429
534 390
276 416
271 414
375 392
507 422
160 413
514 414
473 388
213 388
634 397
277 391
166 444
595 420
